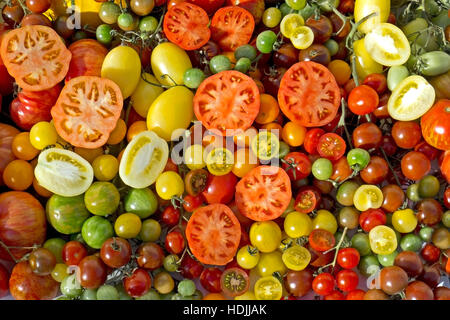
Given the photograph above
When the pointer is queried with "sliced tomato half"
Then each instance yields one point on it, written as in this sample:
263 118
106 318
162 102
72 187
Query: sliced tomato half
35 56
232 27
264 193
227 100
87 111
309 94
186 25
213 233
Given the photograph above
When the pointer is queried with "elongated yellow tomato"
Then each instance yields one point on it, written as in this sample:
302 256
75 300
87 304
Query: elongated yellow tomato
63 172
123 66
365 65
171 110
143 160
364 8
145 93
169 62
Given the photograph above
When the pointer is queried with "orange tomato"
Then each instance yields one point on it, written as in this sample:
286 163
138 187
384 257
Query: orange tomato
341 71
118 133
273 127
244 161
214 296
18 175
135 128
89 154
293 134
269 109
244 139
40 190
22 148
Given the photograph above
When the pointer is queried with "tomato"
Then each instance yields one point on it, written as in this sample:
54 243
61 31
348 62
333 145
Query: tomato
24 284
127 225
402 106
186 25
244 162
365 65
169 63
138 284
364 8
4 281
265 145
22 222
219 103
271 262
73 252
321 240
363 100
66 214
348 258
149 256
145 94
445 166
63 172
305 201
247 257
296 258
382 240
331 146
234 282
297 224
347 280
210 279
312 140
202 230
268 288
321 103
297 165
219 161
265 236
38 69
255 7
415 165
325 220
263 193
368 197
87 58
210 6
435 125
232 27
323 284
190 268
220 189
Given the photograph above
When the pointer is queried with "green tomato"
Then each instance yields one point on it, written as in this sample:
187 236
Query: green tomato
360 241
346 192
411 242
96 230
141 202
167 296
89 294
152 294
285 9
358 158
70 287
177 296
433 8
125 20
102 198
433 63
271 17
296 4
245 51
413 192
387 260
322 169
332 46
109 12
446 219
426 233
103 34
186 287
193 77
395 75
219 63
243 65
369 265
429 187
150 230
442 20
307 11
55 245
66 214
107 292
148 24
79 35
265 41
328 5
170 262
123 295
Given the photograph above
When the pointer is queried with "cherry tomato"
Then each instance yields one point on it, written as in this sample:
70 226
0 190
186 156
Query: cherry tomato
115 252
73 252
312 140
331 146
92 272
297 165
190 268
406 134
210 279
347 280
170 216
348 258
371 218
138 284
415 165
363 100
323 284
220 189
376 81
174 242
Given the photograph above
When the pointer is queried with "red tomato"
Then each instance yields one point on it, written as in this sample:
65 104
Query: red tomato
445 166
87 121
255 7
22 223
213 233
4 279
335 295
430 253
321 240
7 134
309 94
50 60
73 252
331 146
138 284
323 284
431 152
190 202
232 27
348 258
234 282
376 81
186 25
24 284
116 252
347 280
406 134
149 256
92 272
263 193
297 165
371 218
356 294
312 140
210 6
170 216
190 268
219 102
87 58
6 81
210 279
363 100
436 125
220 189
174 242
306 201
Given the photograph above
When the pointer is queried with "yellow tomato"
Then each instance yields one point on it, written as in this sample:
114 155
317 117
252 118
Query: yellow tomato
365 65
271 262
249 295
404 221
247 257
364 8
169 62
367 196
293 134
171 113
145 93
123 66
105 167
296 258
297 224
382 240
128 225
325 220
265 236
268 288
244 161
194 158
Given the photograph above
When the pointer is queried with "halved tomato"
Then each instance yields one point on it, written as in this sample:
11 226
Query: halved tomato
306 201
227 100
213 233
35 56
232 27
331 146
321 240
264 193
87 111
63 172
435 125
309 94
143 160
186 25
234 282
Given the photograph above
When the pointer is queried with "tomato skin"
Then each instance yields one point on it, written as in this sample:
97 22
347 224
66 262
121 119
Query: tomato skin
435 125
210 6
220 189
255 7
348 258
323 284
190 268
174 242
87 58
4 281
312 140
430 253
363 8
24 284
356 294
210 279
138 283
372 218
297 165
92 272
115 252
7 135
331 146
445 165
347 280
321 240
376 81
73 252
363 100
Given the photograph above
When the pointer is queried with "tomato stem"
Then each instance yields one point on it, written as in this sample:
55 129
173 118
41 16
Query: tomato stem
390 167
342 123
340 16
337 247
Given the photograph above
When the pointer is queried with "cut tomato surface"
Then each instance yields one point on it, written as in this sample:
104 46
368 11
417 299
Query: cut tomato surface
232 27
227 100
309 94
213 233
264 193
87 111
35 56
186 25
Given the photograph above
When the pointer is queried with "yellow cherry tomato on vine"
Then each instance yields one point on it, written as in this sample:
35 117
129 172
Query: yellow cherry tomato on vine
43 134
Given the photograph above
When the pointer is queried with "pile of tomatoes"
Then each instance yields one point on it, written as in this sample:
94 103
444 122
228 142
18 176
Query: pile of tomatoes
225 149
